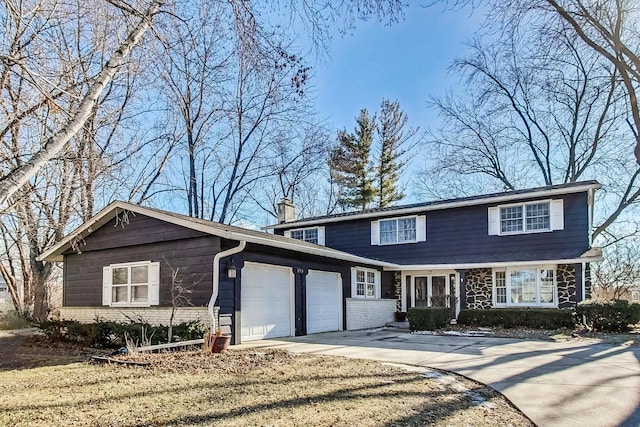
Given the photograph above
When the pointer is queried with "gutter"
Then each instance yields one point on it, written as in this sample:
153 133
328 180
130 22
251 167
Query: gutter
216 276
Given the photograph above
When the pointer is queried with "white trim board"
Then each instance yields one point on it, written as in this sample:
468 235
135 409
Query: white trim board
465 266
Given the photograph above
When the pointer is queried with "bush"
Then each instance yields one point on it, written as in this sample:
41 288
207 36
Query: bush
537 318
608 316
106 334
13 320
428 319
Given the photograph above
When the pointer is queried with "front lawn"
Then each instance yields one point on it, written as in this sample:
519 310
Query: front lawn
245 387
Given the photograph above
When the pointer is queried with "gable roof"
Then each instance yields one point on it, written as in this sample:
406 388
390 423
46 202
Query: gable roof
210 227
508 196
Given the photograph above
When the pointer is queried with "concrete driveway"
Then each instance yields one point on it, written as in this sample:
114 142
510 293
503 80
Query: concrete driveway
554 384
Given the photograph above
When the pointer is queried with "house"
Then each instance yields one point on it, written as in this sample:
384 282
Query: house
345 271
525 248
131 262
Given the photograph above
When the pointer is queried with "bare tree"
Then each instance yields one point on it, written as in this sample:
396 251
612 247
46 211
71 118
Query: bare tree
29 25
619 273
542 110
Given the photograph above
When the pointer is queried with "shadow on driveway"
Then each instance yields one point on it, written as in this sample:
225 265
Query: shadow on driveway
554 383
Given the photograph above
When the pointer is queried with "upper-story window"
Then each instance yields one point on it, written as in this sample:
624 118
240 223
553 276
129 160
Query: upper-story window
393 231
312 235
131 284
534 217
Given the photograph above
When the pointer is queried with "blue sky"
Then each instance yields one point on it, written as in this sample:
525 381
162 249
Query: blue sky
407 61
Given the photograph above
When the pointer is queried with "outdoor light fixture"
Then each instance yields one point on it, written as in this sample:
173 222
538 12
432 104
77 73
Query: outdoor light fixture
231 271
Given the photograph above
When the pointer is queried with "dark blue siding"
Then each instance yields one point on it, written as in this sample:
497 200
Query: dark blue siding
460 235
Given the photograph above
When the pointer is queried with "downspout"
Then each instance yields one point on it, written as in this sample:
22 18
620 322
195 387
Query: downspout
216 276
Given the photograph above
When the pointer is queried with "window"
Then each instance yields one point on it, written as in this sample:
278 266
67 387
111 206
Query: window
311 235
131 284
365 283
536 217
398 230
525 218
524 286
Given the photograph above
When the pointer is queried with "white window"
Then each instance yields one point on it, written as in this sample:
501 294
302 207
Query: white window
365 283
399 230
312 235
3 287
134 284
635 296
534 286
534 217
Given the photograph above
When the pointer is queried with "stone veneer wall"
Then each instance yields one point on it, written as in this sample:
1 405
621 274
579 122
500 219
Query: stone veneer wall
587 281
397 281
152 315
566 281
479 288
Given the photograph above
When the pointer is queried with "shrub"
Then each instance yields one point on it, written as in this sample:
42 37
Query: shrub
537 318
107 334
428 319
13 320
613 316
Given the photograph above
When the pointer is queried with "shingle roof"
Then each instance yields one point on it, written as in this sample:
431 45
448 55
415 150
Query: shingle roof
448 203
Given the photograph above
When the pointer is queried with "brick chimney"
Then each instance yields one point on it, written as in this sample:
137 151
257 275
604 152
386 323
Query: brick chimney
286 211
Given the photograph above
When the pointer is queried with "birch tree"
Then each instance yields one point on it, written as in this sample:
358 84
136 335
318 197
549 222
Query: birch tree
29 24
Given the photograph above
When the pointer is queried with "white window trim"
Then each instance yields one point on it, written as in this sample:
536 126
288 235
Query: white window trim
153 284
421 230
320 231
507 272
556 217
354 283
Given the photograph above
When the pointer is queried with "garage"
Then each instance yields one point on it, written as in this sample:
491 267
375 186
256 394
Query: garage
266 301
324 301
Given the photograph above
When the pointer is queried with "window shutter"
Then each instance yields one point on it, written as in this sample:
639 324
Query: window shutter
287 233
421 228
353 282
557 215
494 221
378 285
375 232
106 285
154 283
321 236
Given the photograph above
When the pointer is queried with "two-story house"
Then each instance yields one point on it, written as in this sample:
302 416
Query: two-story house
346 271
526 248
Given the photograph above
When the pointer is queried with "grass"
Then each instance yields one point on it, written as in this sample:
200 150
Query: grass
13 320
246 388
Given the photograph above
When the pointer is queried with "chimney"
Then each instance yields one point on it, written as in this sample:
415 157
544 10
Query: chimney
286 211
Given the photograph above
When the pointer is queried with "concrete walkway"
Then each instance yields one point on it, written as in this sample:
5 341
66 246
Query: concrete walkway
554 384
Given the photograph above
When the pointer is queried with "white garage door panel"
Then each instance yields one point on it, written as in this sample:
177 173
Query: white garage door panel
265 301
324 301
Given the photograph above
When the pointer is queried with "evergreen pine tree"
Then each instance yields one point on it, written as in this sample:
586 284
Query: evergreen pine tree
350 165
391 135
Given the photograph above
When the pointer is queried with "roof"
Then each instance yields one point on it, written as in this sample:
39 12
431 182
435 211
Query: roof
210 227
509 196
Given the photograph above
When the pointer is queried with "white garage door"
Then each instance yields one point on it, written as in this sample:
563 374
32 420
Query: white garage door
266 301
324 301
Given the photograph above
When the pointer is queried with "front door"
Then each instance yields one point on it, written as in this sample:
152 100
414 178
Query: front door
427 291
439 291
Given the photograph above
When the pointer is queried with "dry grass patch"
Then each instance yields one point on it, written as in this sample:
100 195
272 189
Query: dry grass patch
247 388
